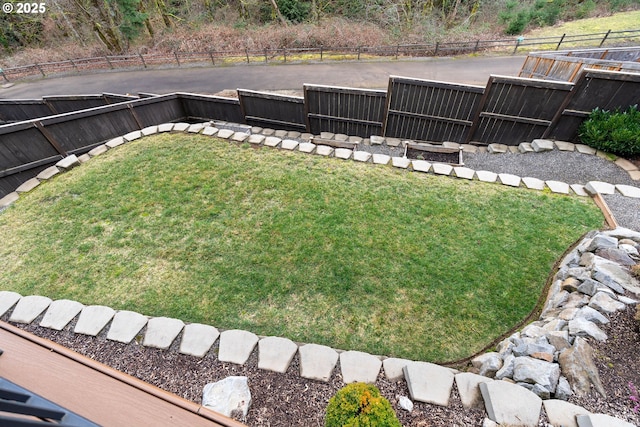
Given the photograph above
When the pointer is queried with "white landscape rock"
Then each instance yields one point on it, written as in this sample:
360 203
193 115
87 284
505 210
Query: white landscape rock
230 396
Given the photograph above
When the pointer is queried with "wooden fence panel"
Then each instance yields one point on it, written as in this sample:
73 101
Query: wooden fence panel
202 108
357 112
69 103
607 90
424 110
273 111
18 110
158 110
80 131
515 110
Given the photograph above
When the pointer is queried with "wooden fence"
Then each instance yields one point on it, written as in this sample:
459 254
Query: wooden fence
423 110
567 65
509 110
26 109
358 112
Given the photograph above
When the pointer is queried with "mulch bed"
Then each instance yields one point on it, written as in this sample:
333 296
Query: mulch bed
289 400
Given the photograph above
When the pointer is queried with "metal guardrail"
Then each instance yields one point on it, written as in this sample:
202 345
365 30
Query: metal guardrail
248 56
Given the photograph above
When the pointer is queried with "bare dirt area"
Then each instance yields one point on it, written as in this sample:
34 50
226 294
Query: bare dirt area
289 400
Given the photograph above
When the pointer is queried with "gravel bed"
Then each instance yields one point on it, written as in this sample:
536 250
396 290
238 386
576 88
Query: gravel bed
625 210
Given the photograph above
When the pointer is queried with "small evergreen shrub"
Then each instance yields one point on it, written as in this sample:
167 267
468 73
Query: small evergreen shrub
616 132
360 405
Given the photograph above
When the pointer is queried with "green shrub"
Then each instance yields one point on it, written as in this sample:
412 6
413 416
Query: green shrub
616 132
360 405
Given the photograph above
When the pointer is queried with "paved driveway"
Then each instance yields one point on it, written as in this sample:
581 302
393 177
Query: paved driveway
209 80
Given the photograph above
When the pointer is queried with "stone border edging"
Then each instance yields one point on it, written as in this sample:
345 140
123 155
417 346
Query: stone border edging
598 285
293 140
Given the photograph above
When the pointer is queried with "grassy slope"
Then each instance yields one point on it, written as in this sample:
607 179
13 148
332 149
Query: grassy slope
318 250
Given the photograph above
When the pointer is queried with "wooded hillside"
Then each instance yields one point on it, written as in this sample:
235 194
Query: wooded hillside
117 26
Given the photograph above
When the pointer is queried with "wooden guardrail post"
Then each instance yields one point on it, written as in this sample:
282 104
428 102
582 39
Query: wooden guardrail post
246 52
142 59
561 40
74 65
211 56
4 76
605 38
40 68
175 54
109 62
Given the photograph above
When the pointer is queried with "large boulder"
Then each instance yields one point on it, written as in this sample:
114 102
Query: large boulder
579 368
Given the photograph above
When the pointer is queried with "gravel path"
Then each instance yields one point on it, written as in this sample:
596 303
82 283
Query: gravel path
564 166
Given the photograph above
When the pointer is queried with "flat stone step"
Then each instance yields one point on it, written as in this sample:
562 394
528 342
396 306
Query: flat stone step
511 404
132 136
343 153
558 187
324 150
509 179
28 308
161 332
224 133
9 198
381 159
421 166
317 362
579 190
601 420
361 156
400 162
60 313
28 185
7 300
289 144
125 326
115 142
357 366
197 339
628 191
533 183
565 146
595 187
468 385
306 147
429 383
540 145
464 173
213 131
275 354
442 169
394 368
150 130
561 413
487 176
93 319
165 127
68 162
236 346
48 173
585 149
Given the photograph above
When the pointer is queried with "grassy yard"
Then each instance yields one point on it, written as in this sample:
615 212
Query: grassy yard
617 22
319 250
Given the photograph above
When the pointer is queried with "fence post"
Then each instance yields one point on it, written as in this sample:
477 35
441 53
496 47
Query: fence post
475 49
142 59
320 52
40 68
436 51
605 38
4 76
518 41
397 50
285 54
175 54
109 62
74 65
246 52
358 53
561 40
211 56
265 56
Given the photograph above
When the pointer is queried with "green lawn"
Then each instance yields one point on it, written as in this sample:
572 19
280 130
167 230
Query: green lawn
355 256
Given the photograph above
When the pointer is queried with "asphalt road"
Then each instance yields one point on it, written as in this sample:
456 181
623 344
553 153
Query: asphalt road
210 80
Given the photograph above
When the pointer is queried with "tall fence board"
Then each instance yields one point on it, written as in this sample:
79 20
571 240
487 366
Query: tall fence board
515 110
595 88
568 64
18 110
202 107
156 110
272 110
358 112
425 110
